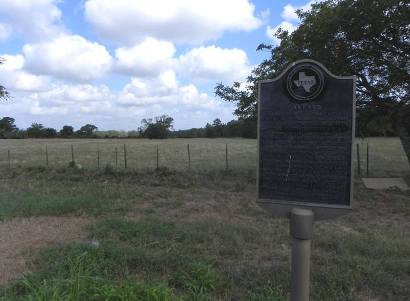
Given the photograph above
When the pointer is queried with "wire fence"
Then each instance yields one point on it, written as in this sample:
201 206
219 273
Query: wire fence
377 156
139 154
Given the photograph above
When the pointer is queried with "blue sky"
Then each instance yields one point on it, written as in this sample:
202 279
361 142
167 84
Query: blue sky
112 63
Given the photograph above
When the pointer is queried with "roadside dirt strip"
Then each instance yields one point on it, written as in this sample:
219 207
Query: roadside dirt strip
20 237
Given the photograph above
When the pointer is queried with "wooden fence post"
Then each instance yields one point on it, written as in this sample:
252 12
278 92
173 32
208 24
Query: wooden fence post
125 156
367 160
8 158
98 159
116 157
189 158
46 156
72 153
157 156
226 157
359 169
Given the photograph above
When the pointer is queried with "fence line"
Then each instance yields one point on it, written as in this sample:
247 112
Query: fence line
202 156
55 157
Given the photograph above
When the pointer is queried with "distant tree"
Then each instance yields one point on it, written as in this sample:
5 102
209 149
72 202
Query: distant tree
49 133
209 131
158 129
3 92
133 134
87 131
35 130
218 127
67 131
7 127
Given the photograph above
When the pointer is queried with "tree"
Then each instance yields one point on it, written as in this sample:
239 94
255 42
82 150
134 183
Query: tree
365 38
49 133
3 92
67 131
158 129
7 127
35 130
87 131
218 127
209 131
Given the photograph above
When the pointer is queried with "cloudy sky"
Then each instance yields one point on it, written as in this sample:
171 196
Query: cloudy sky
112 63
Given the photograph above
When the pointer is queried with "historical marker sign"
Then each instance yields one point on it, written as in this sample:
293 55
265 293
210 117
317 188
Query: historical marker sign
305 136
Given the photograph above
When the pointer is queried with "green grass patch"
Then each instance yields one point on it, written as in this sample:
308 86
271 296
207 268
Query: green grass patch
145 230
81 273
197 280
34 204
88 273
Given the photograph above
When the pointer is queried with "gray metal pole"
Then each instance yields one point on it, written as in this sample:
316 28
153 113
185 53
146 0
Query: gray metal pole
301 224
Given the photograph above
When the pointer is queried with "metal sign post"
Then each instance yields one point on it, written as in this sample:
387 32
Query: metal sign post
301 224
305 142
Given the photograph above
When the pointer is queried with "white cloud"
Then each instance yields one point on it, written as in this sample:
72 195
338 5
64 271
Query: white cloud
35 19
129 21
70 100
290 20
163 91
285 25
215 63
152 56
78 104
150 89
68 57
289 13
5 31
145 59
14 78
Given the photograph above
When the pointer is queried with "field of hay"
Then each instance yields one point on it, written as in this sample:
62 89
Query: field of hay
386 155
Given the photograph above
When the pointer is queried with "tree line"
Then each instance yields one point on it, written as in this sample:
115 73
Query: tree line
160 127
8 129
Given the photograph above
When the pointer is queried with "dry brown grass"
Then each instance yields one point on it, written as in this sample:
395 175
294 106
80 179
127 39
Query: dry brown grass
21 237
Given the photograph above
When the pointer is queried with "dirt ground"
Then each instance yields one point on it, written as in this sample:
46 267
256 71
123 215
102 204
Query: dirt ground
20 236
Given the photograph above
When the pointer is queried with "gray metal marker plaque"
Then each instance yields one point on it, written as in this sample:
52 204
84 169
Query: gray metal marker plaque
305 139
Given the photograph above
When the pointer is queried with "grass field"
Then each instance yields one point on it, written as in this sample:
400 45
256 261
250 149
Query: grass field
173 234
386 155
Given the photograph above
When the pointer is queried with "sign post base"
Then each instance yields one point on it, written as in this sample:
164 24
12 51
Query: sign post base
301 225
